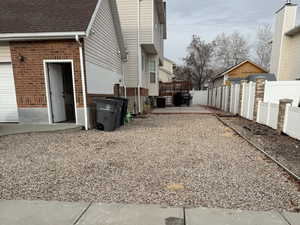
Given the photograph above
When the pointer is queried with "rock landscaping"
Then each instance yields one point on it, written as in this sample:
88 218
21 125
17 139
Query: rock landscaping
176 160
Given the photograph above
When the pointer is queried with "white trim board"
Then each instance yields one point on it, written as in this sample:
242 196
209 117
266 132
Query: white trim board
93 18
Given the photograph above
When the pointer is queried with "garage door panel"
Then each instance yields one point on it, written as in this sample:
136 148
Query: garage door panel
8 103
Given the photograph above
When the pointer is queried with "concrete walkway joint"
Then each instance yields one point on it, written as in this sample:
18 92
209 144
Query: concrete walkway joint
62 213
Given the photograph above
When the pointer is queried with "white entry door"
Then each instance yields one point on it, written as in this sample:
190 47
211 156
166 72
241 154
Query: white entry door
8 101
57 93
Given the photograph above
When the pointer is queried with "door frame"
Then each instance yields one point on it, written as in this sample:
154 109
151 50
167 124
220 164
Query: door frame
47 85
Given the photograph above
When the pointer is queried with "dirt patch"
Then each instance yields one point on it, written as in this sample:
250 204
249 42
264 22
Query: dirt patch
283 148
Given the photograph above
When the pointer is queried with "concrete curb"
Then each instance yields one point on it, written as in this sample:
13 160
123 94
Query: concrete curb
69 129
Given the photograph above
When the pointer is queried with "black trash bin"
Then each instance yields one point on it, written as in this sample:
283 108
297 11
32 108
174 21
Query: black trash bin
187 97
178 99
161 102
107 114
124 103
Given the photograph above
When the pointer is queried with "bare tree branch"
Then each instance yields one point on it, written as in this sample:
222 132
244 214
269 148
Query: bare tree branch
263 47
198 61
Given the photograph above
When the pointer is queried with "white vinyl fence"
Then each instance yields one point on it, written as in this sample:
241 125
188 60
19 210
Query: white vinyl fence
225 98
234 99
214 97
276 90
292 121
267 114
219 97
199 97
248 100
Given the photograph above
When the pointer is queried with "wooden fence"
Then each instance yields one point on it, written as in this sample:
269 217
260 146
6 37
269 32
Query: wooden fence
171 88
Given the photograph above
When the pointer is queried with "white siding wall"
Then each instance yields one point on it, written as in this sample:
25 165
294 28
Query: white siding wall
157 31
146 21
103 60
128 12
5 52
293 59
285 21
166 71
149 34
162 43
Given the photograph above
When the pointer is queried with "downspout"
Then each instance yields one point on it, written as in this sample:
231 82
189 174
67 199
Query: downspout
139 59
82 70
124 81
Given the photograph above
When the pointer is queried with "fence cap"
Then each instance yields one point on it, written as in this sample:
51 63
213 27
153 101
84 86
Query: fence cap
260 79
286 101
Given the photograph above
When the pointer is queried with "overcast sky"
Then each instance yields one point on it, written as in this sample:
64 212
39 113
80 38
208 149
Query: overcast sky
208 18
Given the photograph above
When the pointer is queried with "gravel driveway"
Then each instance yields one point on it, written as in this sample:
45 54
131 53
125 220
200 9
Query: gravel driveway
190 160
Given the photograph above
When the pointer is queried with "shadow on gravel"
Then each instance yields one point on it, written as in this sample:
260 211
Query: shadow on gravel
174 221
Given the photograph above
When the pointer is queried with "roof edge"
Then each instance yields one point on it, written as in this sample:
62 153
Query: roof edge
40 35
117 24
169 60
93 17
238 65
285 5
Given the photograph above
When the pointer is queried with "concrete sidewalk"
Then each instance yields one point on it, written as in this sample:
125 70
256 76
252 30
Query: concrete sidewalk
61 213
21 128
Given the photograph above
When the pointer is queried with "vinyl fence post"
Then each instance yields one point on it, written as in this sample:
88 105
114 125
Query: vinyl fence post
259 95
281 114
258 112
242 86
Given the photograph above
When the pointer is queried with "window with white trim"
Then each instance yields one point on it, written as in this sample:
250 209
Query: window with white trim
152 70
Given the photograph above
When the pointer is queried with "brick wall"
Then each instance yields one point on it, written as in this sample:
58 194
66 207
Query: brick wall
134 91
29 74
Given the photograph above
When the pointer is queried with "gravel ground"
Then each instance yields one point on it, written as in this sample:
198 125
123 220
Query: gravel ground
190 160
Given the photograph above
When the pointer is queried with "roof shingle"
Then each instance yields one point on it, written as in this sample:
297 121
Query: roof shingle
31 16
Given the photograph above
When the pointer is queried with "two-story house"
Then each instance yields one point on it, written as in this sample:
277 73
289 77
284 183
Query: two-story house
285 58
143 24
166 71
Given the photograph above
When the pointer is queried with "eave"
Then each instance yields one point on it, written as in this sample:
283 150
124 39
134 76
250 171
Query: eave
41 36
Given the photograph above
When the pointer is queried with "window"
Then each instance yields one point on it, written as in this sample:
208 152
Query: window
152 70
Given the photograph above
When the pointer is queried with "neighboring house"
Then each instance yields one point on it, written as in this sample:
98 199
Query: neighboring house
285 58
55 56
166 72
237 73
144 27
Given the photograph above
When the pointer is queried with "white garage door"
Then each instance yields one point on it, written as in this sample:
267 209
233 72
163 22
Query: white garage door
8 102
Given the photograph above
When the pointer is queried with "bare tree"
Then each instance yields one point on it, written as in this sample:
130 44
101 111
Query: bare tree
221 51
230 49
183 73
263 46
198 60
